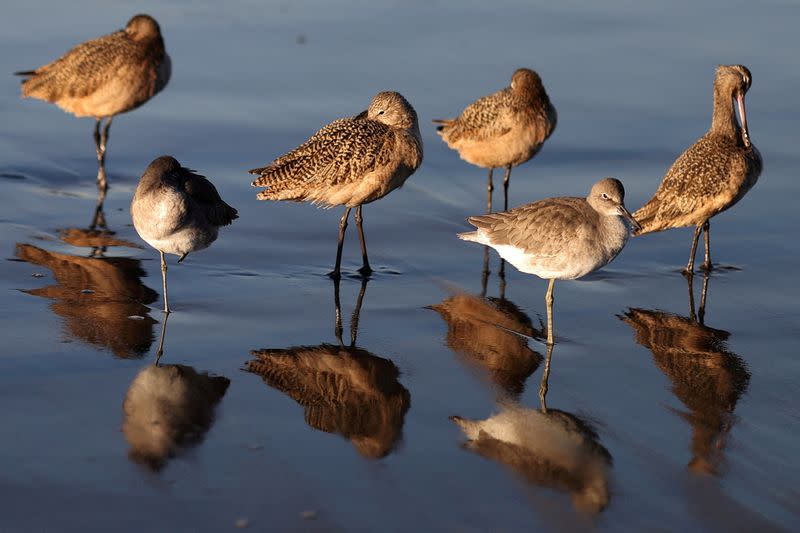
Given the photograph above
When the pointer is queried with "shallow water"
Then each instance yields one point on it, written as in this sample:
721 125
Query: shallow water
698 423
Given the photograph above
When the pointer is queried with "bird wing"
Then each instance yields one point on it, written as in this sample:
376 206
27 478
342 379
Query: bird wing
204 193
539 229
487 117
699 177
83 69
341 152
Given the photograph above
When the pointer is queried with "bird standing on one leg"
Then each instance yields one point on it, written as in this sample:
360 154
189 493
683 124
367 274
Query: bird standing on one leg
559 238
713 174
503 129
104 77
351 161
177 211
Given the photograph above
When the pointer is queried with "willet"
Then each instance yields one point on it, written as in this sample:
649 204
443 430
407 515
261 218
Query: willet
177 211
559 238
351 161
104 77
503 129
713 174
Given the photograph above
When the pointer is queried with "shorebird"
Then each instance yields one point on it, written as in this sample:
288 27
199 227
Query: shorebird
713 174
559 238
177 211
104 77
503 129
351 162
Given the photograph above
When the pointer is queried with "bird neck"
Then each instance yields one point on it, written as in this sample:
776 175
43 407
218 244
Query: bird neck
723 121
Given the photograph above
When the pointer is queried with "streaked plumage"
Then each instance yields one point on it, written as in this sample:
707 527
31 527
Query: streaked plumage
177 211
559 238
351 161
503 129
714 173
552 449
104 77
345 390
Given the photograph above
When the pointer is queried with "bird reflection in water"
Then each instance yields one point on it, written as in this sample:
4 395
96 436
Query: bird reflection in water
706 376
343 389
168 409
492 334
547 447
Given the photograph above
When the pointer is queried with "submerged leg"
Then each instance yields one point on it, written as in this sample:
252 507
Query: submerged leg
337 321
365 269
692 314
336 273
690 265
548 298
357 312
701 315
160 350
506 179
545 377
489 189
164 282
707 266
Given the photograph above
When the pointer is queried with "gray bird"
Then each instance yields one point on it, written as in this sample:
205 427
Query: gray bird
104 77
503 129
559 238
713 174
177 211
351 161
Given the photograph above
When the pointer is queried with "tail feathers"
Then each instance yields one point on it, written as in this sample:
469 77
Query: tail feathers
445 122
469 236
645 217
25 73
469 427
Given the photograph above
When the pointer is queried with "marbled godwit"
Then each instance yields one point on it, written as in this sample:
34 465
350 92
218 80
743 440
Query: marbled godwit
503 129
351 161
177 211
104 77
559 238
712 174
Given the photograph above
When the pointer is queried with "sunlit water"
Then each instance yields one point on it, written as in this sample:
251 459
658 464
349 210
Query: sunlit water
670 424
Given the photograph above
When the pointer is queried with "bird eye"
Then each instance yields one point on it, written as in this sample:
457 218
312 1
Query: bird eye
605 196
380 112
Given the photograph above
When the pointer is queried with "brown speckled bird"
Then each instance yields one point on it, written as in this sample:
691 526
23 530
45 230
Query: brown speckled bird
351 161
503 129
104 77
713 174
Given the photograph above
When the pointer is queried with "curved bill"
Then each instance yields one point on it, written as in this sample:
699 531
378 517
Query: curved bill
624 213
743 119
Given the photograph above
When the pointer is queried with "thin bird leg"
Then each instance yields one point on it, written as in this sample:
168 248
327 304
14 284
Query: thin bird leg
703 294
337 272
160 350
707 266
164 282
365 269
357 312
97 149
690 265
489 189
548 298
545 377
101 142
506 179
692 314
485 273
337 321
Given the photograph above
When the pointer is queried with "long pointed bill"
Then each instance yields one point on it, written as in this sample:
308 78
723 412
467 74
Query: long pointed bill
624 213
743 119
